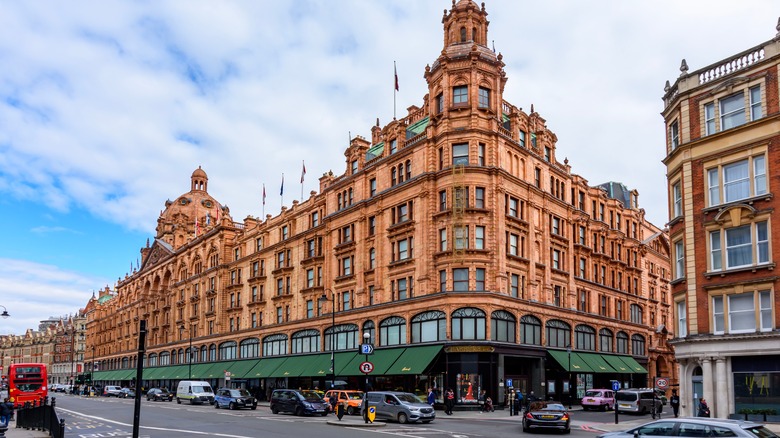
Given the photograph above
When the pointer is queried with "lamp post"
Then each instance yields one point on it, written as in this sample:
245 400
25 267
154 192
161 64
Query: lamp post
5 313
568 351
72 352
324 298
189 352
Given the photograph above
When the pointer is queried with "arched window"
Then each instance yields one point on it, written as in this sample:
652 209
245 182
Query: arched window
204 354
212 353
585 337
368 327
468 323
503 326
125 363
152 362
346 337
622 343
250 348
463 34
429 326
637 345
558 333
275 345
165 358
305 341
192 354
531 330
605 340
392 331
180 356
227 350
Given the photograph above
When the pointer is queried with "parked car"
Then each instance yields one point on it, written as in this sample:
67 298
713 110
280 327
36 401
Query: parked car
159 394
402 407
126 393
601 399
111 391
351 400
546 415
194 391
298 402
232 398
696 427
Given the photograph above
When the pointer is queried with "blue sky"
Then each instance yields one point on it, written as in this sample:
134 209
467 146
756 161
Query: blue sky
107 107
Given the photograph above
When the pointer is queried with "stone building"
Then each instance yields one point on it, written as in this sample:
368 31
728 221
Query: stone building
723 135
454 241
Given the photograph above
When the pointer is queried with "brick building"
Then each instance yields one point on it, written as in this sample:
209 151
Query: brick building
455 241
723 135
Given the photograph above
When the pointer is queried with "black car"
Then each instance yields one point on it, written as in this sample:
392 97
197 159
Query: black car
159 394
234 399
126 393
298 402
547 415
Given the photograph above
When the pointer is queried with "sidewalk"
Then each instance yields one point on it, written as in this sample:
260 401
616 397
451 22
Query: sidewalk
13 432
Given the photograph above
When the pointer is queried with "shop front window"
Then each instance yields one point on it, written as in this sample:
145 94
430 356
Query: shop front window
468 388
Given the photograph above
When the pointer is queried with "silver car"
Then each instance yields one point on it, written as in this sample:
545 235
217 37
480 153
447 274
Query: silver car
696 427
402 407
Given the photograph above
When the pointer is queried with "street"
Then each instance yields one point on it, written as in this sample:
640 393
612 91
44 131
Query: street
113 417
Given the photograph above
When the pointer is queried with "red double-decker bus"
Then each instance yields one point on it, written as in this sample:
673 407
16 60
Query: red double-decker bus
27 383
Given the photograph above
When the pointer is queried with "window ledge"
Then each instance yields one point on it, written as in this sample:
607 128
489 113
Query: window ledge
754 268
749 201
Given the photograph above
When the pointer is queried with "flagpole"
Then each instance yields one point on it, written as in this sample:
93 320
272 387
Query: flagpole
303 173
281 191
263 201
395 87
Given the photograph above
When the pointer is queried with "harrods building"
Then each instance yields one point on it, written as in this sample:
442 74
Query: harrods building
454 238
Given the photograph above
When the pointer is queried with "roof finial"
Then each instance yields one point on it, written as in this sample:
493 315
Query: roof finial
777 28
667 87
683 68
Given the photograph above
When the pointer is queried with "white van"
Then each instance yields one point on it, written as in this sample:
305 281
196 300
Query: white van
196 391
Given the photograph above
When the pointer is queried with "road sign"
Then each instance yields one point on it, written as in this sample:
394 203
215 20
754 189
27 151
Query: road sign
662 382
371 413
616 386
366 349
366 367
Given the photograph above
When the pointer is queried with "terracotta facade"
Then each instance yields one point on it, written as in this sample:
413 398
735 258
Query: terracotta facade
455 225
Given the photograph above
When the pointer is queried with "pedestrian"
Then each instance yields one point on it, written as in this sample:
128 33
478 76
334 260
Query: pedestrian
704 410
674 401
518 401
530 399
481 400
449 401
5 413
431 397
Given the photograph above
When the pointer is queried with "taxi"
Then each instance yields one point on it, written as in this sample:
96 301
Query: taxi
350 399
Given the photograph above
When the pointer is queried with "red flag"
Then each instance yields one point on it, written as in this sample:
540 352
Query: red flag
303 172
263 194
396 76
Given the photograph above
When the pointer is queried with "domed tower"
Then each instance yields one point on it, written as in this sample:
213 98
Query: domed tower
468 78
191 214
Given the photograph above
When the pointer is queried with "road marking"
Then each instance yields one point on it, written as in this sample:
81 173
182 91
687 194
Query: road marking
193 432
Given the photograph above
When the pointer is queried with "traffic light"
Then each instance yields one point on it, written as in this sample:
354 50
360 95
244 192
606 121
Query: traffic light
88 378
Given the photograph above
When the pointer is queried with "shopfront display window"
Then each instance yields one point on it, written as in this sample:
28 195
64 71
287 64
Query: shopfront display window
468 388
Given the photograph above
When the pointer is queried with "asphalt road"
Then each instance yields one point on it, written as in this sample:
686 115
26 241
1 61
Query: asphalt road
111 417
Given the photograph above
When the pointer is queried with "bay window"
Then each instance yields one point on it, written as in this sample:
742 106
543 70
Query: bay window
737 247
736 181
742 313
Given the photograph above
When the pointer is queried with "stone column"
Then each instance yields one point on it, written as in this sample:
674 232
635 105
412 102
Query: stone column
721 408
684 374
708 379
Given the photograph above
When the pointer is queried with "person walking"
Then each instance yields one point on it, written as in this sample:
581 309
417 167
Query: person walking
674 402
431 397
518 401
449 401
5 412
481 400
704 409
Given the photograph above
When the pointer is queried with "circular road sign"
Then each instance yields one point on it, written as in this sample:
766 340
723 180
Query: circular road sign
366 367
662 382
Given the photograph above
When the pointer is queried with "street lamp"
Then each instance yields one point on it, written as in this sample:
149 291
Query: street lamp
323 299
5 313
189 352
568 351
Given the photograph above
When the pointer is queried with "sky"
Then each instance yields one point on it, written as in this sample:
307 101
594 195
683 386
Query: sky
106 108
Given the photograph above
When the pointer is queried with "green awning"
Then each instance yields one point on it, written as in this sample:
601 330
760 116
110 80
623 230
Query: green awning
633 365
382 360
216 371
266 367
240 369
597 363
319 365
292 367
125 374
101 375
578 365
151 373
177 372
414 360
617 364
